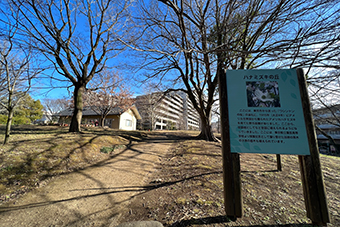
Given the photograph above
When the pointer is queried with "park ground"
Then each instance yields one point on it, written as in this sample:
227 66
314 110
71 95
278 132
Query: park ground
102 177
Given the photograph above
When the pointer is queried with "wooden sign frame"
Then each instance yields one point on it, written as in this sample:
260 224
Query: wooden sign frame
310 167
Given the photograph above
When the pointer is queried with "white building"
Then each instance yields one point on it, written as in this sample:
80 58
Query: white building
117 118
45 119
327 122
171 111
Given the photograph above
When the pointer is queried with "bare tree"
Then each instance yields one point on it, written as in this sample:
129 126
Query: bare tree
54 106
191 43
324 82
78 37
325 93
108 93
327 123
148 107
16 72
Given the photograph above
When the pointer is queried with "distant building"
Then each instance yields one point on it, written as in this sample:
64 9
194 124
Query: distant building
327 119
117 118
45 119
215 127
171 111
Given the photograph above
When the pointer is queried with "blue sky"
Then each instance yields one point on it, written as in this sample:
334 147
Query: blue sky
131 76
44 88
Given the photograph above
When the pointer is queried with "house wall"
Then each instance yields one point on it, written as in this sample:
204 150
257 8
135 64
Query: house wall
115 121
64 120
112 121
128 121
90 119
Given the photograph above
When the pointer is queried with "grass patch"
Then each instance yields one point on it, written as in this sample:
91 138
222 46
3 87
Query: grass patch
107 150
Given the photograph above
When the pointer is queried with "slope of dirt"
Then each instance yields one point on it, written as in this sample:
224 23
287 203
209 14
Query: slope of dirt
163 176
37 153
94 196
188 190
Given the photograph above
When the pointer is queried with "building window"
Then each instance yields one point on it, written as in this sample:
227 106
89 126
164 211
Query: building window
108 122
128 123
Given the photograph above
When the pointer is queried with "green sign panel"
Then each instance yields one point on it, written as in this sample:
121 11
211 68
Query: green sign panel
265 112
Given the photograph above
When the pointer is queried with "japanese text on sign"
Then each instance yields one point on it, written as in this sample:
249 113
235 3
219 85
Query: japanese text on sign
266 125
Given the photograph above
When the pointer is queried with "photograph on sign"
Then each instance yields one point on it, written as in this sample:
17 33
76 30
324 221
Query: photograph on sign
263 94
265 112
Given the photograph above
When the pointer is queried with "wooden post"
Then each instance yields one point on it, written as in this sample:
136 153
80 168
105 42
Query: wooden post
304 185
278 162
237 178
311 173
231 163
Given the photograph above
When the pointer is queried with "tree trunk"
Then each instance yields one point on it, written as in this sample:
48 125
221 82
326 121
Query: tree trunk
78 108
8 125
102 122
206 132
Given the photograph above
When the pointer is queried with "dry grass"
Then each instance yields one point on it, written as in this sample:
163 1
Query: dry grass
36 153
190 192
188 188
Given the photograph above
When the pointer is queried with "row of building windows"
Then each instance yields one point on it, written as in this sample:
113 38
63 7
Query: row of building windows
171 105
175 108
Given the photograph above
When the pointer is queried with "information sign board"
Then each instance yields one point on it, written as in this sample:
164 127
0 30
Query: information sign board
265 112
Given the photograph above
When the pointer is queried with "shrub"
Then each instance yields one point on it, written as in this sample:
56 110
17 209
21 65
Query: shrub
3 119
107 150
21 120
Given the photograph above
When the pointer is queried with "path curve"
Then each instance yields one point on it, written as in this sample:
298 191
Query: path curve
96 196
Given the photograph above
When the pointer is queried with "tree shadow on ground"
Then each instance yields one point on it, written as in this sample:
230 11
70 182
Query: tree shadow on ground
48 156
223 220
35 129
29 161
112 190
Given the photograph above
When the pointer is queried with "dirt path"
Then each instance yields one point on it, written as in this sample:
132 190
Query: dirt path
95 196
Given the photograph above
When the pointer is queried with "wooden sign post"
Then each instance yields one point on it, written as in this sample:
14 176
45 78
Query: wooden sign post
268 111
231 162
310 167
